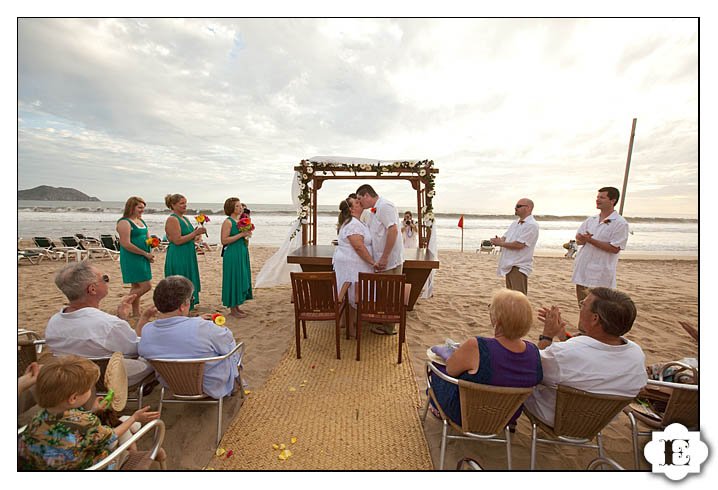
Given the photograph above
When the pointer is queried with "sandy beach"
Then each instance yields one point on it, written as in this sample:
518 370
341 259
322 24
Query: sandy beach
664 291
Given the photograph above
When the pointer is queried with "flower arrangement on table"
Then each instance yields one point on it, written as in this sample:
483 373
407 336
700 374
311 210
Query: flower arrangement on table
201 220
245 224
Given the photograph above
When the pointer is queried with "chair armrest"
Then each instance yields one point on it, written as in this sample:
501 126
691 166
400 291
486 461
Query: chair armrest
159 436
679 364
407 293
430 366
668 384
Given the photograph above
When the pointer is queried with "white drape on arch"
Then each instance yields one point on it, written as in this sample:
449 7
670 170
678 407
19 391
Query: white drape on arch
433 247
275 270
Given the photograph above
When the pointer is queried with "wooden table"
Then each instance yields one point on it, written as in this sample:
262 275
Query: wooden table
418 263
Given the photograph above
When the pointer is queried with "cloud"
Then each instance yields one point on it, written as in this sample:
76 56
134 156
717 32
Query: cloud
212 107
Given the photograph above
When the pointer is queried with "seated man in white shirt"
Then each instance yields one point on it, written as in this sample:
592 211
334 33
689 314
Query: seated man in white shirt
84 330
598 361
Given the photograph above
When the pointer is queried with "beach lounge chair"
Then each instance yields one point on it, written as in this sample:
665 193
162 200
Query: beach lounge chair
109 244
91 250
315 298
33 257
579 417
88 241
382 298
681 406
485 411
46 247
137 460
184 378
485 246
72 245
139 388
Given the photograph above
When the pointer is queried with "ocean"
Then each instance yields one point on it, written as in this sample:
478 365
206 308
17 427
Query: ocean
658 236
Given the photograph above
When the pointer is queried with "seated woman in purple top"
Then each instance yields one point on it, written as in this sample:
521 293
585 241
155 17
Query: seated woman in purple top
504 360
175 336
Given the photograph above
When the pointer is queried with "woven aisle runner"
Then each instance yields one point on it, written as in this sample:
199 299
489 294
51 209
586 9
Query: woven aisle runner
344 414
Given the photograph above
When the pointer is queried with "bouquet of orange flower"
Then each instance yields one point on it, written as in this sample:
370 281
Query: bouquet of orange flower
245 224
202 219
153 242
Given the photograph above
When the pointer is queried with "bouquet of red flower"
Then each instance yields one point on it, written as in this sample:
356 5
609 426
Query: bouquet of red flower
153 242
245 224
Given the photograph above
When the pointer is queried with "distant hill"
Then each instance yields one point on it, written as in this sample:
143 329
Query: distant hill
47 193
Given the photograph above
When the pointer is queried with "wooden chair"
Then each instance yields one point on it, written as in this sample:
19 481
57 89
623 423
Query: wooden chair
315 298
681 406
579 417
137 460
184 378
382 298
485 411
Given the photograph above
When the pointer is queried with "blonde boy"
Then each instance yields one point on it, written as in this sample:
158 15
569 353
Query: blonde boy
64 436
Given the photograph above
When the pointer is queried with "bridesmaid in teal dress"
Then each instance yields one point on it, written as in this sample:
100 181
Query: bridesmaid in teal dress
181 255
236 273
135 254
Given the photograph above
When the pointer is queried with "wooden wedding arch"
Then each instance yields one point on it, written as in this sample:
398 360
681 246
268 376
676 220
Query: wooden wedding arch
312 174
418 262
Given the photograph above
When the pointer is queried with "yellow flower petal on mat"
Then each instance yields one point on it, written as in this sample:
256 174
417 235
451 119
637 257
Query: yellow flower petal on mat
275 446
282 447
209 469
220 452
292 389
305 381
247 392
331 370
294 439
285 454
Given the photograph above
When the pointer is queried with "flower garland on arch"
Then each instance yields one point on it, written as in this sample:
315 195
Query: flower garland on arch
421 168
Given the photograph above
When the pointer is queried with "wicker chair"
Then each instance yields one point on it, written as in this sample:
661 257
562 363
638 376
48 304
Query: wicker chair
315 298
184 378
485 411
382 298
579 417
29 345
681 406
101 389
137 460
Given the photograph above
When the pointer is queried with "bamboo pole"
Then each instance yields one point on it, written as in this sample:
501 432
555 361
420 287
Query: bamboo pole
628 165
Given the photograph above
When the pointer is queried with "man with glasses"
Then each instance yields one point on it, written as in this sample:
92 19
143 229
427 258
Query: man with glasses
600 360
517 257
84 330
601 238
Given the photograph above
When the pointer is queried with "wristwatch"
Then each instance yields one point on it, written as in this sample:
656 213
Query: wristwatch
545 337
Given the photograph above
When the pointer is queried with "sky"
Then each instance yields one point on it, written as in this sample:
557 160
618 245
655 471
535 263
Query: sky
506 108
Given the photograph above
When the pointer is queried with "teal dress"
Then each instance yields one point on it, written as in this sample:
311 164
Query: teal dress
135 267
182 260
236 272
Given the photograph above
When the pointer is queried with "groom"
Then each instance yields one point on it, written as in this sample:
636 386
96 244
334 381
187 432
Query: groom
383 223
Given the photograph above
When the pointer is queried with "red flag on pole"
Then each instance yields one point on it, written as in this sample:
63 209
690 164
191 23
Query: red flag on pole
461 222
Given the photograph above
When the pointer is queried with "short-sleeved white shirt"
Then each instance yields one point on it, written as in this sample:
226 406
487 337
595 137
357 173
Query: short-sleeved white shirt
587 364
527 233
594 267
378 223
90 332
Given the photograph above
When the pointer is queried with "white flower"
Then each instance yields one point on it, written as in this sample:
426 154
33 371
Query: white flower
422 172
430 193
423 210
429 216
303 214
305 176
310 170
302 186
412 164
396 164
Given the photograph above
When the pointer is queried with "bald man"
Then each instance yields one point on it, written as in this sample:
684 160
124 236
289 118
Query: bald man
517 257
